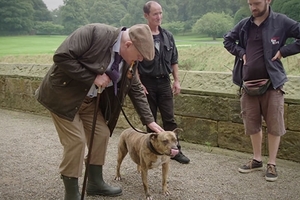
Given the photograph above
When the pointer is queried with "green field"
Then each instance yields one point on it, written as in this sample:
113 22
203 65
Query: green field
195 53
20 45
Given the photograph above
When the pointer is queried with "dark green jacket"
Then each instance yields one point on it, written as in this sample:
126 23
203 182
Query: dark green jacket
77 61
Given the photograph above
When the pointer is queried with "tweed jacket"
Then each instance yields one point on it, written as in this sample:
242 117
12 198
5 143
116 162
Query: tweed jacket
77 61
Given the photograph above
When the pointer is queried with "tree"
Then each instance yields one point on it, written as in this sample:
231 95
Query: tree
182 11
213 24
233 6
16 17
106 12
241 14
42 17
41 13
73 15
277 5
170 10
174 27
48 28
218 6
289 7
195 10
134 14
21 16
56 16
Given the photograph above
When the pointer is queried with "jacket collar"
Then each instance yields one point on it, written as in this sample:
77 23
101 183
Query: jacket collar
166 40
271 15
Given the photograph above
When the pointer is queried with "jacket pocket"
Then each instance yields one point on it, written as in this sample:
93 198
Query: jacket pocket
168 53
60 79
237 71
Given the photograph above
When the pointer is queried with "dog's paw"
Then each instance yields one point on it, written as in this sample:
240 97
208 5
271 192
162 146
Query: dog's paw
138 169
166 193
118 178
149 197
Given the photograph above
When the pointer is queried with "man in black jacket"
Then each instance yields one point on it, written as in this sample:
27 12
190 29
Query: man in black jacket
258 42
154 74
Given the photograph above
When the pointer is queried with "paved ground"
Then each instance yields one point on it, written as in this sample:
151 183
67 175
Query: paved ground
30 153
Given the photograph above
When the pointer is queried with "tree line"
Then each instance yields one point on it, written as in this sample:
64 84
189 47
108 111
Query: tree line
213 17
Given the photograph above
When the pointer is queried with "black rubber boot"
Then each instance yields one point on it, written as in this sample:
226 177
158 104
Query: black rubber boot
96 184
71 188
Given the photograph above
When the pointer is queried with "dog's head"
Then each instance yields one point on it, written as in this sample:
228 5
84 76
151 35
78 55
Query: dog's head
165 142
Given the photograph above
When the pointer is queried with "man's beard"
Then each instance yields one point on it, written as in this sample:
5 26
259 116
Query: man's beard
260 13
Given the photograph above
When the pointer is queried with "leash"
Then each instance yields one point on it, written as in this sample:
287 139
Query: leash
108 110
149 144
128 119
129 76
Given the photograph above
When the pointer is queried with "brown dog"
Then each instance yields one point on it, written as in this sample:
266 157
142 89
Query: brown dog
148 151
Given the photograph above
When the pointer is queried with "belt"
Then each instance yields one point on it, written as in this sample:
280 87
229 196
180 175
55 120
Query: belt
155 77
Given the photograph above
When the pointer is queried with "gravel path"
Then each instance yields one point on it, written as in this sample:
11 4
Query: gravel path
30 153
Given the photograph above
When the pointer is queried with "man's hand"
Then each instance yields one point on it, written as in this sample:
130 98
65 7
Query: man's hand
244 58
145 89
155 127
102 80
176 87
277 56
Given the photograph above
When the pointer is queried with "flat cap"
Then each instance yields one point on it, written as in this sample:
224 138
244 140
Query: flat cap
142 39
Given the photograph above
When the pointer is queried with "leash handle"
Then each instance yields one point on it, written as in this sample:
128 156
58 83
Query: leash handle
100 90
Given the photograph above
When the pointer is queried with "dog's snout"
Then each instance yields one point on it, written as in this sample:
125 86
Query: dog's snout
175 148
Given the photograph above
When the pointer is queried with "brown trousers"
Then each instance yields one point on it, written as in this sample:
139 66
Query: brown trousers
269 106
75 135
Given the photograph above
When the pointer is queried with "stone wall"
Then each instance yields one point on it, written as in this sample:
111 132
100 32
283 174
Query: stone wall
207 109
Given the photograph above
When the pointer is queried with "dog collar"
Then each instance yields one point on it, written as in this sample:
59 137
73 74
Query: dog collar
152 149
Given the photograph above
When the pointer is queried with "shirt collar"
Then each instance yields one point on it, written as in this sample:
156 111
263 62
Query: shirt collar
117 45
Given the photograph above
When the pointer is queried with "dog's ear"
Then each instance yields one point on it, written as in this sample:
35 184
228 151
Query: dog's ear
153 136
177 130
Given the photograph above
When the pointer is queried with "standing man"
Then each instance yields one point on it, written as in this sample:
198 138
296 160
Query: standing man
260 46
83 62
154 74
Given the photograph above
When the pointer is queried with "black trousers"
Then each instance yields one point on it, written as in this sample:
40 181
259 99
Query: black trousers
160 97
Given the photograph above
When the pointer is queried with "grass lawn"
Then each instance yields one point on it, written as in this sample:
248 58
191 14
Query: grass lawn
197 53
183 41
20 45
47 44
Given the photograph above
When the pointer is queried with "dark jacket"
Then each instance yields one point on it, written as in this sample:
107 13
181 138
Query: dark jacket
168 56
277 29
77 61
